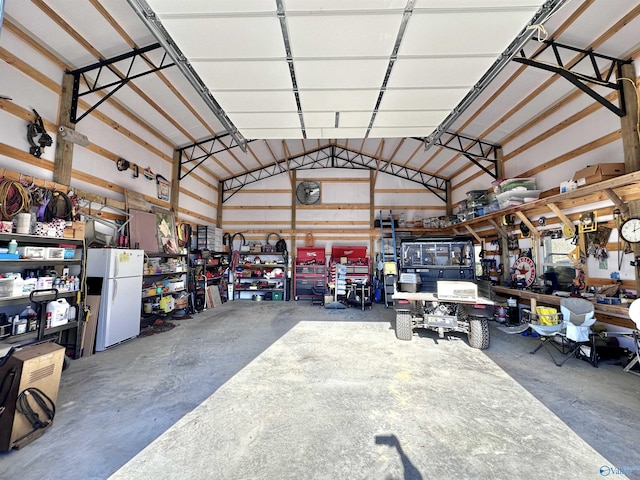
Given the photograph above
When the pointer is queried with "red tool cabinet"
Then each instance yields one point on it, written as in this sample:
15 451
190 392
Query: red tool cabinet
310 273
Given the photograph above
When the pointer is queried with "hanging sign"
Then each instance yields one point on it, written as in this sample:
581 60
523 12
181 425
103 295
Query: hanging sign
164 187
525 268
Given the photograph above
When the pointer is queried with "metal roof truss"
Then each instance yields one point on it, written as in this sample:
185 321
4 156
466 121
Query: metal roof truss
188 152
335 157
96 70
586 58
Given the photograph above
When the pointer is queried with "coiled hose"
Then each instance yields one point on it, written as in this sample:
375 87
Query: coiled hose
14 198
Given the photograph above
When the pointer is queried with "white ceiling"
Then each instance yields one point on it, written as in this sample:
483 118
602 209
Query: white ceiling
340 54
339 69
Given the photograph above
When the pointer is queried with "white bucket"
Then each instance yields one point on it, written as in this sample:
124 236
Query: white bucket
23 223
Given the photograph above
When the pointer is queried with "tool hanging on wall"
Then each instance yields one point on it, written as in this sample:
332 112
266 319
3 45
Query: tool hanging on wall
588 222
122 165
34 129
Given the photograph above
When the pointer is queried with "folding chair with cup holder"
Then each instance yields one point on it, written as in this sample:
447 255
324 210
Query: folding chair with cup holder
579 316
549 330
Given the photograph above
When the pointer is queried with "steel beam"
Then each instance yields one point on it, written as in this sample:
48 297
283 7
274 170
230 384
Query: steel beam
546 10
91 76
153 23
335 157
473 149
208 147
587 59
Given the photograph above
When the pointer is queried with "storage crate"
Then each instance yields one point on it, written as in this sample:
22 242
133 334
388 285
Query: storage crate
35 253
276 296
54 253
6 287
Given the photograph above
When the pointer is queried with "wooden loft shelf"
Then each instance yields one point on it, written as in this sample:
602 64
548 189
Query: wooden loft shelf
617 190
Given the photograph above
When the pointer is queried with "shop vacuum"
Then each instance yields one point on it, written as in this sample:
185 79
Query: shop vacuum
29 382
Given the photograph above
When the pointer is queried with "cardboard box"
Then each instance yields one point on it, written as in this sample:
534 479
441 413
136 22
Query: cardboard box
597 173
74 230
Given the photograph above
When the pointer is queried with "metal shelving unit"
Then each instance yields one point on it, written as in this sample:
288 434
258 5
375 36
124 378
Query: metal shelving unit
69 334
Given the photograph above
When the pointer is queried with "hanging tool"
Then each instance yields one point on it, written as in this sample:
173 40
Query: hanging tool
34 129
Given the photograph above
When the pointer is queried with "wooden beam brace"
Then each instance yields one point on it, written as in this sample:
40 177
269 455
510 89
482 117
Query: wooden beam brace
618 202
501 231
554 208
475 235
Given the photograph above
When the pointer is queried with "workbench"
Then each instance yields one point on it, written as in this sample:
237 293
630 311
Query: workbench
616 314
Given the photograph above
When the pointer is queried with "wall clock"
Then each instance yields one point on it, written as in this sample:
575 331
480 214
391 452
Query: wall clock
630 230
308 192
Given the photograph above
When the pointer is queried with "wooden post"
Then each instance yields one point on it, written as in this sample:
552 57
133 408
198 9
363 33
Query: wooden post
372 206
220 198
372 215
174 199
630 142
499 162
294 176
63 160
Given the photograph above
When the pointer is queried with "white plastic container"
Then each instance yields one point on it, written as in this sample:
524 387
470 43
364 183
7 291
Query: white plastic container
57 313
18 286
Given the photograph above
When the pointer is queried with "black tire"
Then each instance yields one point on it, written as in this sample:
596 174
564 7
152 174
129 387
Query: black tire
404 326
478 333
66 363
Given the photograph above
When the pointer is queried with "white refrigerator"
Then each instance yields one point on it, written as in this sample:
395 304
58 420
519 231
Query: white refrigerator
121 294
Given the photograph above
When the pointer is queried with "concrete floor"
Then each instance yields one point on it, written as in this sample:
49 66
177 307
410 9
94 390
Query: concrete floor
277 390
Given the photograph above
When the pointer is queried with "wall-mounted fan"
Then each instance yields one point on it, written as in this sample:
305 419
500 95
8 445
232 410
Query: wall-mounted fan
308 192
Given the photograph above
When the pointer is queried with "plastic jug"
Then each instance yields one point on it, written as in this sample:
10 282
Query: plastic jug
57 313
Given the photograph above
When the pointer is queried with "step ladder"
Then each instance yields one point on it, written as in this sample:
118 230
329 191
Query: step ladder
389 260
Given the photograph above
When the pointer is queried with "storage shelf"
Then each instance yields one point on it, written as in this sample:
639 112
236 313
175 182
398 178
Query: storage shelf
28 261
36 239
23 299
177 274
68 335
164 293
265 289
261 266
15 339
